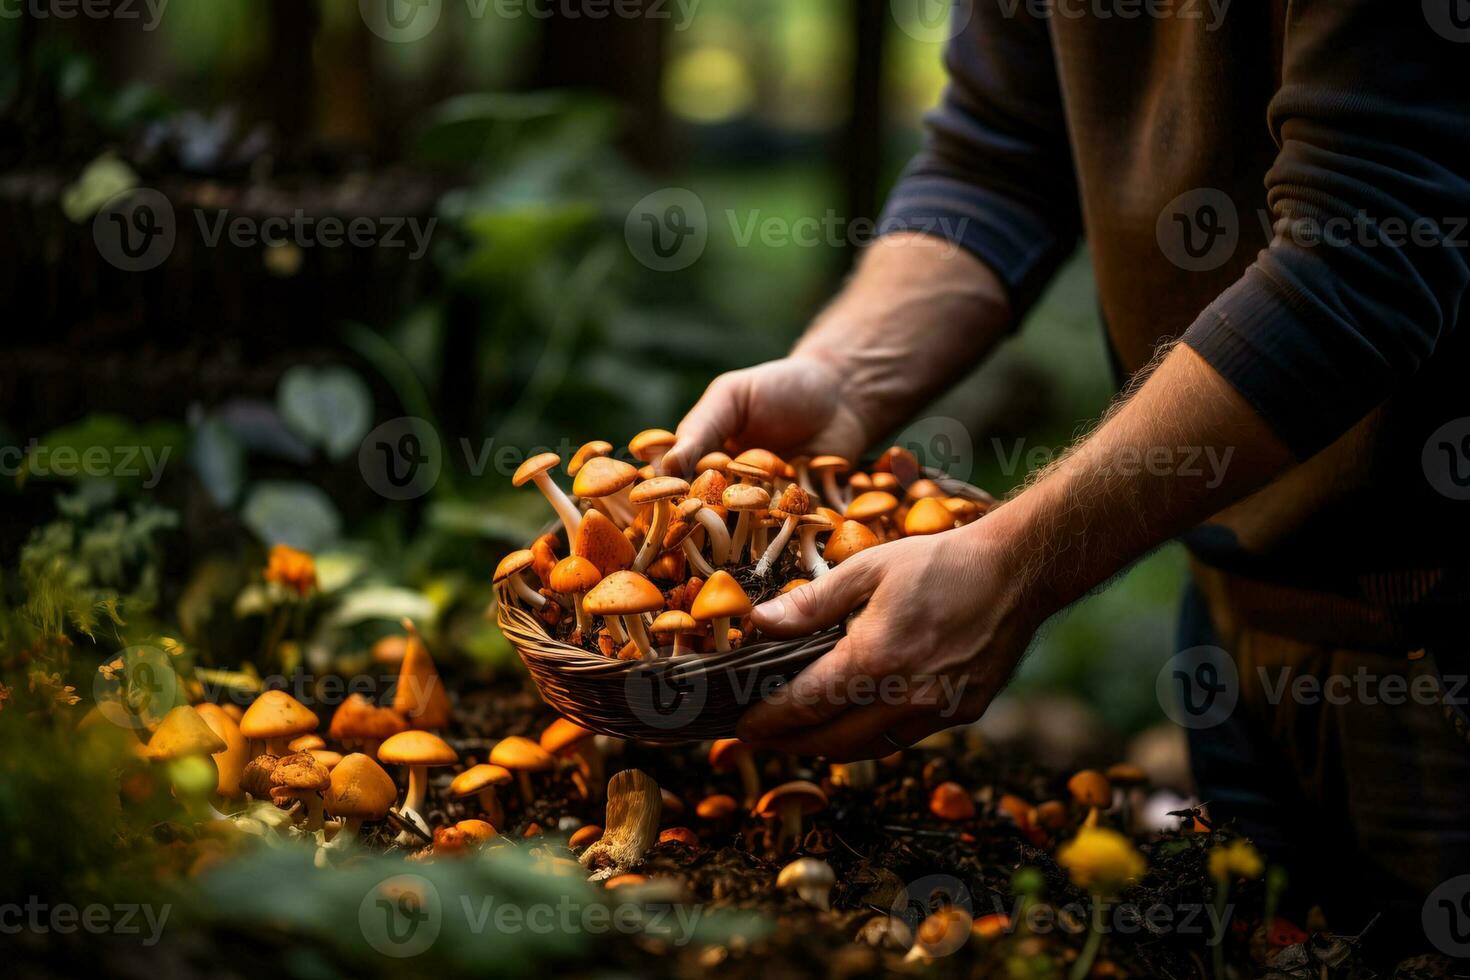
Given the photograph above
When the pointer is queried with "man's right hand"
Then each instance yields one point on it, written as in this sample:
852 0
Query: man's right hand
794 406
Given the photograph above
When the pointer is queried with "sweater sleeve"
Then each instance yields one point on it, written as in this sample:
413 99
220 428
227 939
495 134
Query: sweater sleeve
995 174
1366 273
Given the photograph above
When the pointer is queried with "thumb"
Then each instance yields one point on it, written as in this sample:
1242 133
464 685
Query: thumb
714 418
824 602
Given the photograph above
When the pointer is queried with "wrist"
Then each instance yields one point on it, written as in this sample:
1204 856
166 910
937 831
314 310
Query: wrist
1027 588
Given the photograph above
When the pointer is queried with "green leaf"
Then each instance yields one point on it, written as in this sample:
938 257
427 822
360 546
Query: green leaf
382 602
297 514
102 180
330 406
219 459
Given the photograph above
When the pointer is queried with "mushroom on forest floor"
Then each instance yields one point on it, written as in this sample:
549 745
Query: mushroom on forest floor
231 762
564 738
789 802
358 723
522 757
275 718
810 878
480 782
188 745
731 753
634 806
300 777
418 750
420 696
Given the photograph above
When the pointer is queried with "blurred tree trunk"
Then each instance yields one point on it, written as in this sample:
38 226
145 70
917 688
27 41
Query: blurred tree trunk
860 150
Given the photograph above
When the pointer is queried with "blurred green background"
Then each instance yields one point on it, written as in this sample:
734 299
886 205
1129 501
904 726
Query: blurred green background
528 322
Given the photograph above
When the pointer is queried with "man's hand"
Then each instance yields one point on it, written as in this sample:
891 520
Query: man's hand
942 629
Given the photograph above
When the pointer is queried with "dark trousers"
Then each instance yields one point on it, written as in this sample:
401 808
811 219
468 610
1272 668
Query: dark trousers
1362 795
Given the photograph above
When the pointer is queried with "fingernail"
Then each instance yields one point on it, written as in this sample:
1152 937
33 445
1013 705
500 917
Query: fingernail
773 613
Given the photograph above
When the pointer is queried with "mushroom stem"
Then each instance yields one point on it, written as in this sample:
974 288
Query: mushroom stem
722 633
589 761
490 806
527 594
571 517
640 636
584 621
418 788
719 535
773 553
737 540
523 779
697 560
758 537
313 803
615 627
750 781
829 490
811 559
277 746
790 823
622 505
653 541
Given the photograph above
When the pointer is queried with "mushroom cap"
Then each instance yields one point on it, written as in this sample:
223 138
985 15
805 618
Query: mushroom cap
949 801
476 778
300 771
820 464
521 754
963 509
600 542
534 467
745 496
831 515
478 831
276 714
1090 788
307 742
925 487
417 748
794 502
806 872
603 476
231 762
758 464
623 594
563 735
360 788
679 529
897 460
659 488
584 835
712 461
848 540
357 717
420 695
675 621
390 649
683 835
181 734
725 753
326 757
808 794
859 482
821 522
716 807
1126 775
651 443
574 574
709 487
589 450
886 481
871 505
721 596
928 516
516 561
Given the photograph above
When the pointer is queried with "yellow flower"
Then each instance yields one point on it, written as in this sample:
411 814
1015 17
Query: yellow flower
292 568
1238 859
1101 860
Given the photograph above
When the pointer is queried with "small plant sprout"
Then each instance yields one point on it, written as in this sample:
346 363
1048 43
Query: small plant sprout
790 509
604 483
360 790
420 696
418 750
300 777
510 573
568 740
627 595
274 719
634 806
788 803
537 469
721 600
661 493
480 782
746 500
728 754
811 879
575 576
522 757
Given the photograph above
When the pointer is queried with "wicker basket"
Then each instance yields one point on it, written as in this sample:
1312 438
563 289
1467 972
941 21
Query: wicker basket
687 698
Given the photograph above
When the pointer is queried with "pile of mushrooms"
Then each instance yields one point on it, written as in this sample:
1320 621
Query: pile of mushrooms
653 565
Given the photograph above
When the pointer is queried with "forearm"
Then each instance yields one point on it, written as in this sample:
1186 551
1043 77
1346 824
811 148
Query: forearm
917 314
1183 447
